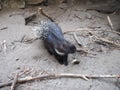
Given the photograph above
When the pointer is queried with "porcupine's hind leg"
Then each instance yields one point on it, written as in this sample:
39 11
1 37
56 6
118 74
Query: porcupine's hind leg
62 59
59 59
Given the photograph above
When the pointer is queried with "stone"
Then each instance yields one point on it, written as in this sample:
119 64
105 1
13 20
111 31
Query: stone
21 4
0 5
33 2
17 3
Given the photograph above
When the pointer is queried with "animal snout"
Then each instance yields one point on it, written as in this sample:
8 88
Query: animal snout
72 49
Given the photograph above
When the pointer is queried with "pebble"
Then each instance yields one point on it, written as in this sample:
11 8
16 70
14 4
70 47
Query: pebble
75 61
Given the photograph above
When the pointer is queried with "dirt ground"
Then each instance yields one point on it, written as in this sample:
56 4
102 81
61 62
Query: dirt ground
22 54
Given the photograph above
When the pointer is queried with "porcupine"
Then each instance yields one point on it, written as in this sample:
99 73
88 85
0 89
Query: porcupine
54 41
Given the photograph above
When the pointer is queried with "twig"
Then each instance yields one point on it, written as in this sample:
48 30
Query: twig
29 17
54 76
24 72
105 40
22 39
3 28
76 39
108 41
4 46
80 29
89 29
23 80
14 82
41 11
14 13
77 17
26 41
110 22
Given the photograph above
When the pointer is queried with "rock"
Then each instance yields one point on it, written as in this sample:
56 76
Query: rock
0 5
33 2
115 21
21 4
17 59
62 1
106 9
17 3
75 61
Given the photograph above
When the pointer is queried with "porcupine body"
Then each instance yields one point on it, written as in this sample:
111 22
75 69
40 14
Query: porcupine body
54 41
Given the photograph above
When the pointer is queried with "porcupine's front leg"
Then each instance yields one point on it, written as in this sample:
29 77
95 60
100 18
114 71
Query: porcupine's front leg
64 58
50 52
49 49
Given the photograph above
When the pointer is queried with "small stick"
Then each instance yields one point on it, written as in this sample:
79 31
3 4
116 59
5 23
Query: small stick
27 40
14 82
53 76
23 80
80 29
42 12
76 39
105 40
82 50
23 38
110 22
89 29
24 72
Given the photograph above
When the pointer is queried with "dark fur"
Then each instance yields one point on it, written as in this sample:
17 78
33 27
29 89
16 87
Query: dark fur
56 40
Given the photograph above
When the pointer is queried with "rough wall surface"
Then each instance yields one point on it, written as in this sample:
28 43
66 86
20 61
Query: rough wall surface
23 3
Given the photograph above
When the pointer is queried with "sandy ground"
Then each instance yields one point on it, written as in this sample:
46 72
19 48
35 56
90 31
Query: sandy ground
32 55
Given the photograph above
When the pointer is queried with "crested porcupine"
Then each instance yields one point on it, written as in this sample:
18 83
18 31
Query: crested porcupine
54 40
